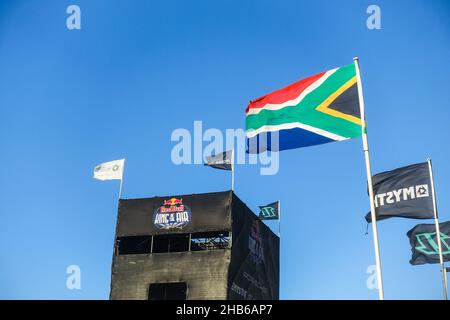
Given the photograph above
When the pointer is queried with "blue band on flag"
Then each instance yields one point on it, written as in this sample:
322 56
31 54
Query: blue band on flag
288 139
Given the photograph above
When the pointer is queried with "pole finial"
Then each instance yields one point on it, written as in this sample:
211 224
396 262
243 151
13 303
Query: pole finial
355 58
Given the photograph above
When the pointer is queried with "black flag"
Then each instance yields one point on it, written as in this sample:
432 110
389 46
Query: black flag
270 211
220 161
424 243
403 192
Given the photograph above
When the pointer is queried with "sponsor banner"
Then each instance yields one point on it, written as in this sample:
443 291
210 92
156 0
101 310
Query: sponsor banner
270 211
404 192
424 243
254 272
112 170
172 214
175 214
221 161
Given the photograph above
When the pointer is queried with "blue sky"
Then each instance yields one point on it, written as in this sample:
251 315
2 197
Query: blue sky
137 70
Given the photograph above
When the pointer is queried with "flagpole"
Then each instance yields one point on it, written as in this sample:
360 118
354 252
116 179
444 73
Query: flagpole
279 219
438 232
120 189
369 181
232 169
279 241
121 180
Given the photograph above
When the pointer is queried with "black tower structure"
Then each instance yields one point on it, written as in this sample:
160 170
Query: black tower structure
199 246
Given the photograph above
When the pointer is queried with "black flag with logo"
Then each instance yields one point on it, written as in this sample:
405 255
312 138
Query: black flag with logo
424 243
270 211
220 161
404 192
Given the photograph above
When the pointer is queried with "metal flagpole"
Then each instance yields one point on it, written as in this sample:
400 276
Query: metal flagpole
279 239
438 232
120 190
121 180
279 219
369 180
445 279
232 169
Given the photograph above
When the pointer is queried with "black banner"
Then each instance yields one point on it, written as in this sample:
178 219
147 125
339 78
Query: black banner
175 214
254 270
424 243
404 192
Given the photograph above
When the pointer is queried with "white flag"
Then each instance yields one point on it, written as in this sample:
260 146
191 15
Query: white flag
112 170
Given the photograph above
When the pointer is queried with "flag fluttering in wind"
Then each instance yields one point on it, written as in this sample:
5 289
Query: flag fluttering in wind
319 109
424 243
326 107
221 161
112 170
269 212
404 192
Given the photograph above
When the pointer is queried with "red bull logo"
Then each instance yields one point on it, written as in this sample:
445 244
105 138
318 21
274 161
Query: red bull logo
173 202
172 214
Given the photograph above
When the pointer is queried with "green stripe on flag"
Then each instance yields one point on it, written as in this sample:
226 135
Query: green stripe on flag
305 111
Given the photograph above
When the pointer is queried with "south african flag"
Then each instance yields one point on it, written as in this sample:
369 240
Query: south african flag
319 109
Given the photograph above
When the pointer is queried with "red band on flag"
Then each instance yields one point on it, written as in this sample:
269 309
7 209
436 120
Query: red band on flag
282 95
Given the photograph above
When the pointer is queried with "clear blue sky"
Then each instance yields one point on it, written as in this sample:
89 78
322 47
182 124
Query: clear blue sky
137 70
